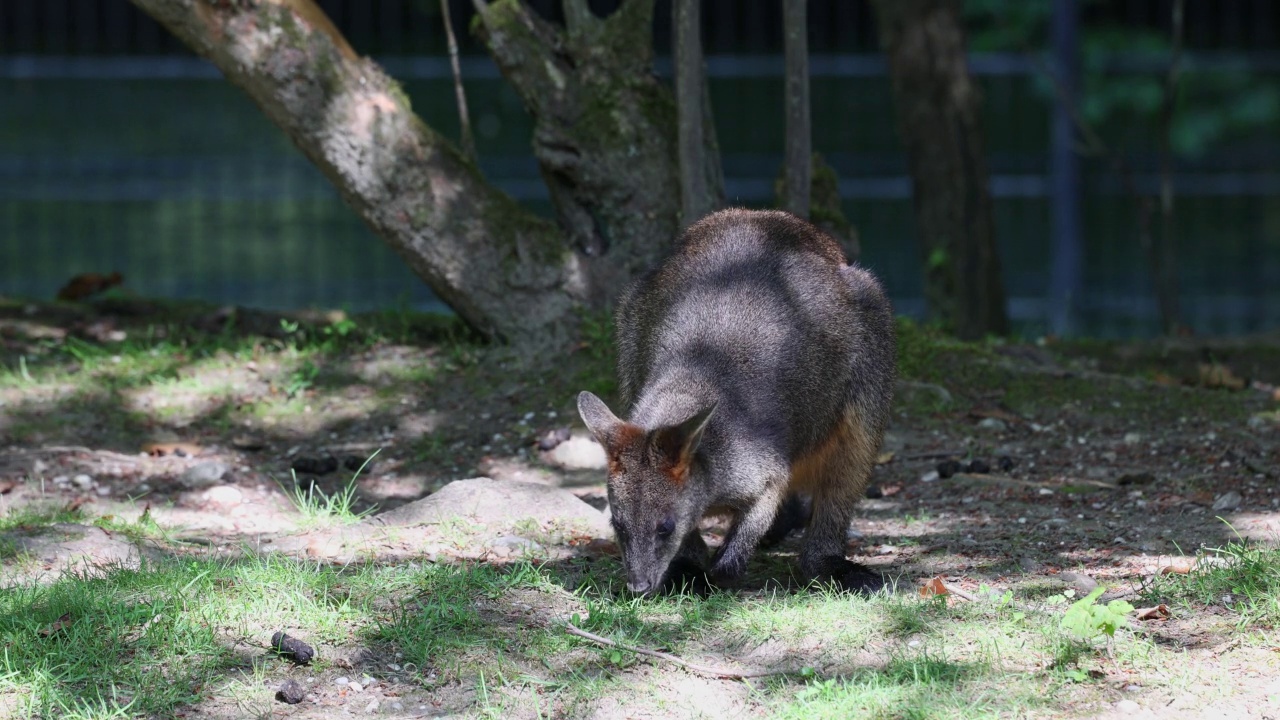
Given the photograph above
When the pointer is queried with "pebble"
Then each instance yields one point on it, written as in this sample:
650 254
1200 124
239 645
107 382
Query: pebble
1228 501
103 490
355 687
1132 438
579 454
224 495
1128 707
930 476
342 681
203 474
62 480
371 707
84 482
39 467
993 424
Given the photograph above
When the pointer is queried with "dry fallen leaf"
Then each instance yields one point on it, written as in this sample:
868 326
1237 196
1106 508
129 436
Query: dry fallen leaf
175 448
57 625
934 587
887 490
1216 375
1159 612
1178 566
884 458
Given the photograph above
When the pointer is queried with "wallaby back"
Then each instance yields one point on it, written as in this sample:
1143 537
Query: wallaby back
756 322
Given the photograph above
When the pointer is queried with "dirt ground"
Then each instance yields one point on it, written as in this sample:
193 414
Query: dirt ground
1035 463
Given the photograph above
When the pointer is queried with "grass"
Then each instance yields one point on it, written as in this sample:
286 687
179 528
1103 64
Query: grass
1241 577
179 632
321 509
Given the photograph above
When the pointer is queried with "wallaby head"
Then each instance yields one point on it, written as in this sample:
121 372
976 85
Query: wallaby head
657 493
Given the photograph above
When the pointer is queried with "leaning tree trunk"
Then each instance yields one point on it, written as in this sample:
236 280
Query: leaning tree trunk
604 136
937 108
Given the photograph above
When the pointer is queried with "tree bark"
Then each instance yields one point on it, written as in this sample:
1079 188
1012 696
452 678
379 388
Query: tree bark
799 143
504 271
695 196
604 130
937 109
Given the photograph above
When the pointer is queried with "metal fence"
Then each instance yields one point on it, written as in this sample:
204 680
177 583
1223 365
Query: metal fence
120 150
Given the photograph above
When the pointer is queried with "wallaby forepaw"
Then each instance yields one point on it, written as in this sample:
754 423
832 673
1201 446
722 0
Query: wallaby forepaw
687 576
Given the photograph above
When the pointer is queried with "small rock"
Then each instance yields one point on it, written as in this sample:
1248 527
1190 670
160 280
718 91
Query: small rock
226 496
930 476
84 482
62 480
203 475
912 393
978 466
553 438
341 681
355 687
1132 438
947 468
354 463
579 454
315 465
1005 463
1128 707
247 443
371 707
1136 478
291 692
103 490
993 425
1081 583
1228 501
39 467
1044 491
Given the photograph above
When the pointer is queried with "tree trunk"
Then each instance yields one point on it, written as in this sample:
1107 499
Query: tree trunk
605 139
799 144
937 109
695 195
503 270
604 130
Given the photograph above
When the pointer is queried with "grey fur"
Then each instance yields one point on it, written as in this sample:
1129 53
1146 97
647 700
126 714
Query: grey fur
750 358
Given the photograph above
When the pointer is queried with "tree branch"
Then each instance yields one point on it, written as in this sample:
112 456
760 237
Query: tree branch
464 119
502 269
702 669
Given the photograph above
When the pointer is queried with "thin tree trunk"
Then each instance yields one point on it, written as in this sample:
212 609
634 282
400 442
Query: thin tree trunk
1164 256
937 109
464 117
695 198
799 144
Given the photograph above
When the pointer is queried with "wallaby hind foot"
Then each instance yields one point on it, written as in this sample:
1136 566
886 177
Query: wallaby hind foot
850 576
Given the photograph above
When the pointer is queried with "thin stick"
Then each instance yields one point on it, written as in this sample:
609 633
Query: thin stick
468 140
952 590
705 670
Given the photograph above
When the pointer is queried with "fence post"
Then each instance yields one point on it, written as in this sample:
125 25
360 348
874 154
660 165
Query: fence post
1066 271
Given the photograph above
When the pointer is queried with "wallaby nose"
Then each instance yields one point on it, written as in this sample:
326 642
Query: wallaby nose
639 587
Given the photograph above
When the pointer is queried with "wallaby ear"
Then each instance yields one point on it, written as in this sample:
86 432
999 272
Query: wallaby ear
599 419
677 443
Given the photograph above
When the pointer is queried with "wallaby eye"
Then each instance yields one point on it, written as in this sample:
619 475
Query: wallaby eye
666 527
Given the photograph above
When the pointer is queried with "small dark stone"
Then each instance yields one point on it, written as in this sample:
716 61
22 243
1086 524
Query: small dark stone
947 468
978 466
1138 478
553 438
354 462
315 466
291 692
292 648
1005 463
874 492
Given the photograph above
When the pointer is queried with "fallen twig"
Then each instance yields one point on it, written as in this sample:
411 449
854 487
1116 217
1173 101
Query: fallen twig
704 669
963 595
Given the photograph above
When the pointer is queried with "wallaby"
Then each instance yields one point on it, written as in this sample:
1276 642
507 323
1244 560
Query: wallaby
754 363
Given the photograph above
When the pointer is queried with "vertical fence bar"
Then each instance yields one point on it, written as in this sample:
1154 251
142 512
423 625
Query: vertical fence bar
1065 274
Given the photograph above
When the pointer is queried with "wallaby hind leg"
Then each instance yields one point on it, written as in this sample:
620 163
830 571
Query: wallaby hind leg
842 477
793 515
